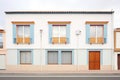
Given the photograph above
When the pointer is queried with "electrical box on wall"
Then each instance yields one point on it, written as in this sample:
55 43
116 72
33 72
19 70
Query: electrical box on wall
78 32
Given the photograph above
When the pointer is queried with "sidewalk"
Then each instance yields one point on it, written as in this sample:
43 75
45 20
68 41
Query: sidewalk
80 72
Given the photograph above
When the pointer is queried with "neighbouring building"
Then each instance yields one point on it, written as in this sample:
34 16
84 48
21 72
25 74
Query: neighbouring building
3 50
59 40
117 48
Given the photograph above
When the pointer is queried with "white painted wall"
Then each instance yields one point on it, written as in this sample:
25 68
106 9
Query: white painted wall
116 60
41 22
43 57
2 62
39 57
36 57
77 23
11 57
107 57
82 57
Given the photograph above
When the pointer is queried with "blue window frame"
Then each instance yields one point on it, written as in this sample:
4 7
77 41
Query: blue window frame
27 40
25 56
61 40
99 40
62 57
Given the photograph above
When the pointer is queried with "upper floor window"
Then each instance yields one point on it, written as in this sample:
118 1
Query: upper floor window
96 32
1 40
23 32
117 40
59 32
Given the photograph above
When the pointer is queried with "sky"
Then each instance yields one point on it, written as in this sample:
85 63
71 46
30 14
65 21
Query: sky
60 5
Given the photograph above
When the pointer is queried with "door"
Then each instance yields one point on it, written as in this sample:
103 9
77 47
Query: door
2 61
94 60
118 61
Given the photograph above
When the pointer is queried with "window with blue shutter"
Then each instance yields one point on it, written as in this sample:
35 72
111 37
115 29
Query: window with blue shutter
105 33
87 33
96 32
32 33
50 33
68 33
59 32
23 33
14 33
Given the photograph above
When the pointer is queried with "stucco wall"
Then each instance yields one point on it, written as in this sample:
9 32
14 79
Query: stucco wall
77 23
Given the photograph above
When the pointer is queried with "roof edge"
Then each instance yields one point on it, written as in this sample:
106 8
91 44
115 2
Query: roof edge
59 12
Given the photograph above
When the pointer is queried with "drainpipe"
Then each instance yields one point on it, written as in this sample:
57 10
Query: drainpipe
41 49
112 44
78 32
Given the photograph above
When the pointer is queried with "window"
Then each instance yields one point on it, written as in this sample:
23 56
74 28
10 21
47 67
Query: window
59 34
25 57
1 40
66 57
117 40
52 57
96 34
59 57
23 34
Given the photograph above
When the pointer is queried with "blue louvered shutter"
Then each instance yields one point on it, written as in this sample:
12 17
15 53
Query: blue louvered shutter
87 33
50 33
14 33
68 33
32 33
105 33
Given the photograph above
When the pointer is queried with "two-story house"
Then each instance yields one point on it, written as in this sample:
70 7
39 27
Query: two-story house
3 50
59 40
117 48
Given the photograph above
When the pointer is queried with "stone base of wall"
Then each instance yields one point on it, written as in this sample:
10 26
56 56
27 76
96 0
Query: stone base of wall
59 68
106 67
18 68
82 67
54 68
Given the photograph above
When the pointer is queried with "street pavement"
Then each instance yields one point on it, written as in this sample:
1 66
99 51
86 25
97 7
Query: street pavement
111 73
59 74
59 78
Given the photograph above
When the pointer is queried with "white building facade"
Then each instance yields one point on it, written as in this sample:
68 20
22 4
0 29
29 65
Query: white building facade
59 40
117 49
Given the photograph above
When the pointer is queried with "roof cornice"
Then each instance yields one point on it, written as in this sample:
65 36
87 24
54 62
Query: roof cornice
59 12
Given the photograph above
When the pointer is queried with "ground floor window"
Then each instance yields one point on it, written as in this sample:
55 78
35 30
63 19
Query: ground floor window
66 57
52 57
1 40
59 57
25 57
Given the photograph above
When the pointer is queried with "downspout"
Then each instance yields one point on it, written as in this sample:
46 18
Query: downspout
41 49
112 44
